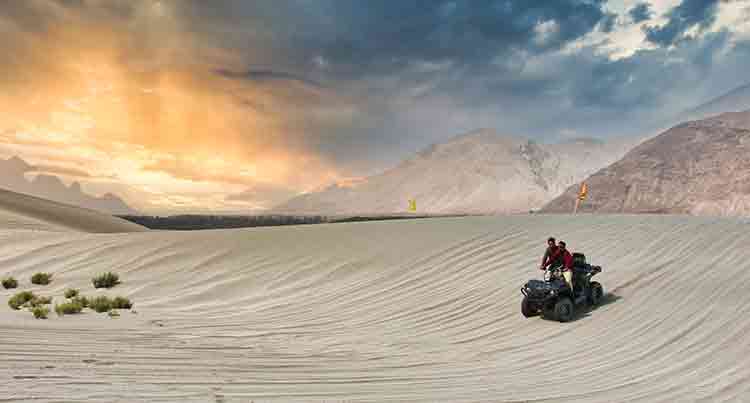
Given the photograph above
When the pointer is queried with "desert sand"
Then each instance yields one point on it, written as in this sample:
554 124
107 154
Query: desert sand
20 211
408 310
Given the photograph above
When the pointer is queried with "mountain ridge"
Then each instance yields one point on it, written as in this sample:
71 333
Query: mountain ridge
51 187
698 167
479 172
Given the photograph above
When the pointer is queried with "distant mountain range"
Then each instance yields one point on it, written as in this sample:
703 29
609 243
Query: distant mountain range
700 167
12 177
693 168
696 167
481 172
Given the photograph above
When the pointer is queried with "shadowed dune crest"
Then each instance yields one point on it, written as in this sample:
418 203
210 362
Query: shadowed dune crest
20 211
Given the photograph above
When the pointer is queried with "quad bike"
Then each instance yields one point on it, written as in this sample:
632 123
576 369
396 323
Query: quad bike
553 298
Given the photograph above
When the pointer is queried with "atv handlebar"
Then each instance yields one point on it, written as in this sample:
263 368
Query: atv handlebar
549 272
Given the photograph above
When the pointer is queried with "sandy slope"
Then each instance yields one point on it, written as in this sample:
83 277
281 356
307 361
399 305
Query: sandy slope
422 310
19 211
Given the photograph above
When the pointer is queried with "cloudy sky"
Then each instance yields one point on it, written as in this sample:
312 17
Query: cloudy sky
232 105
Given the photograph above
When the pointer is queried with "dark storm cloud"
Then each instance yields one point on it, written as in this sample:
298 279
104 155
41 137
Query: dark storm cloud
641 12
467 32
426 70
609 22
360 38
416 72
683 17
392 57
638 81
590 94
264 76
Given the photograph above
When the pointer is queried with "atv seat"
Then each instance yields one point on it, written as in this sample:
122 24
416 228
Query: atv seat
579 260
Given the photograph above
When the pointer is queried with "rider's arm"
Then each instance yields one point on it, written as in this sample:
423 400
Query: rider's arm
545 257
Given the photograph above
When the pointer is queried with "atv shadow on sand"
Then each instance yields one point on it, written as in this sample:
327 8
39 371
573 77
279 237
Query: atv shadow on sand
586 310
553 298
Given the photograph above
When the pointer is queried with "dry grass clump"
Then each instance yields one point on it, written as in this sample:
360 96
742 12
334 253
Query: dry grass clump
27 299
9 282
100 304
83 301
106 280
75 302
39 301
71 292
20 299
105 304
40 312
68 308
41 278
121 303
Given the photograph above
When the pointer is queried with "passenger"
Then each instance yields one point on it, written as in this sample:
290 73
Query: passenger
567 263
551 255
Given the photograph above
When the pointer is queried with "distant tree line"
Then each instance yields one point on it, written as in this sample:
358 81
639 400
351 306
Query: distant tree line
198 222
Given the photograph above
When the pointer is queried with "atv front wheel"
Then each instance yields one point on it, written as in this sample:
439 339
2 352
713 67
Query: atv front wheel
527 308
564 310
595 294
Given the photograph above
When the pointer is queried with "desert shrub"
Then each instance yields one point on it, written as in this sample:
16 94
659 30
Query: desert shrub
10 282
83 301
121 303
40 312
20 299
71 292
106 280
39 301
68 308
100 304
41 278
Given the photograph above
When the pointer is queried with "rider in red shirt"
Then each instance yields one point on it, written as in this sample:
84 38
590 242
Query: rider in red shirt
551 255
567 260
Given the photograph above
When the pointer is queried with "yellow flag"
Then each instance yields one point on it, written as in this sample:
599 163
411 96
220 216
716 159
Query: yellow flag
412 205
583 192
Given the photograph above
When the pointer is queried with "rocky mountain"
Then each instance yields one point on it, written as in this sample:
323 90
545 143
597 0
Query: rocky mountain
481 172
699 167
13 177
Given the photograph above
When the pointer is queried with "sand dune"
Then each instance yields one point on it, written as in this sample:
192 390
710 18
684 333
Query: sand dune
422 310
19 211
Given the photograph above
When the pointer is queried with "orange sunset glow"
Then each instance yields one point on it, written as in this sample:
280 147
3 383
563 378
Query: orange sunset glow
146 121
244 107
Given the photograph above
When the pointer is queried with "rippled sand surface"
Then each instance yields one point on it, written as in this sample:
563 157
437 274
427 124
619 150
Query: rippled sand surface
23 212
408 310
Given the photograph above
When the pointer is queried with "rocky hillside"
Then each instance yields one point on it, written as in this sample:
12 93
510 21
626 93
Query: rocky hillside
481 172
699 167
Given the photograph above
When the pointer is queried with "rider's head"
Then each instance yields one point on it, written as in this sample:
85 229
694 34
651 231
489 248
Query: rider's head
551 241
561 245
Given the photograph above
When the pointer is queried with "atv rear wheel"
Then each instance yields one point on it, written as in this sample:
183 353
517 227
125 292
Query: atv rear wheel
564 309
595 294
527 308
